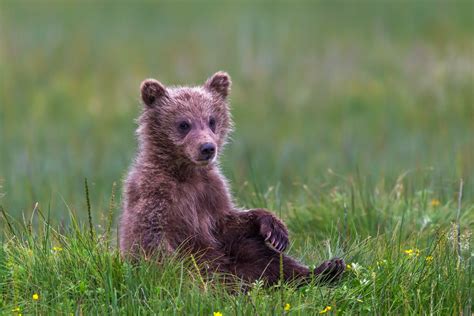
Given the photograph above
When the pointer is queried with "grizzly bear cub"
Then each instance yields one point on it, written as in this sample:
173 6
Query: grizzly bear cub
177 200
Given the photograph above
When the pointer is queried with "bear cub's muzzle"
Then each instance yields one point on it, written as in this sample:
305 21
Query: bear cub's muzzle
207 152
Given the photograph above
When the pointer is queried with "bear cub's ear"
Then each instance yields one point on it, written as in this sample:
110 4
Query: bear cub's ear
219 84
152 91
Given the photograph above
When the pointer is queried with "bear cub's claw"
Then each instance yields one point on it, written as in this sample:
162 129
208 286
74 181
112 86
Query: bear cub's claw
278 244
330 271
274 233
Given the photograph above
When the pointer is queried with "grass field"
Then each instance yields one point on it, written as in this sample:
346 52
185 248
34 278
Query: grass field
354 123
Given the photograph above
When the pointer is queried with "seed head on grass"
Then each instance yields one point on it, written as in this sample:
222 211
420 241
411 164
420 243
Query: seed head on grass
91 227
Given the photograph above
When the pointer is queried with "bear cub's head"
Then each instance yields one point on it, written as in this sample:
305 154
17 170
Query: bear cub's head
186 124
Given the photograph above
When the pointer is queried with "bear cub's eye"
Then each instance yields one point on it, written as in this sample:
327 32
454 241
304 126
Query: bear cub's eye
212 124
184 126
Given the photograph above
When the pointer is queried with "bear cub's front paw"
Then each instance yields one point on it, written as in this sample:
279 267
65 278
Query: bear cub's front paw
274 233
330 270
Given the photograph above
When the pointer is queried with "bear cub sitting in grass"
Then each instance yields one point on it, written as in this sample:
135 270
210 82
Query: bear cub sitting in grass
177 200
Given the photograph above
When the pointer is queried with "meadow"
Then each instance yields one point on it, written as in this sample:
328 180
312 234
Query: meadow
354 123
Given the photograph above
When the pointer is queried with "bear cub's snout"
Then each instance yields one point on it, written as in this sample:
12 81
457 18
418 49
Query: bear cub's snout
207 151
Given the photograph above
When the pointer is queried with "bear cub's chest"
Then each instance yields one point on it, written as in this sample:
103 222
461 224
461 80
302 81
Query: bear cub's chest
202 199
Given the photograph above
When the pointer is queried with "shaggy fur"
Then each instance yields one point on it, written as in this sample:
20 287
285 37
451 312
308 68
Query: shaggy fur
176 199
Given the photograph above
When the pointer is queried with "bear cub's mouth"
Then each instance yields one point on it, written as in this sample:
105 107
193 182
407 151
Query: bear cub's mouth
205 162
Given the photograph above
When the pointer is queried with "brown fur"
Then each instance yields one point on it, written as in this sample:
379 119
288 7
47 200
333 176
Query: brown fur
176 199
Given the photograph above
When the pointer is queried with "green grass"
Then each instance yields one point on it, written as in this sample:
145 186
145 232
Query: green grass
74 273
350 120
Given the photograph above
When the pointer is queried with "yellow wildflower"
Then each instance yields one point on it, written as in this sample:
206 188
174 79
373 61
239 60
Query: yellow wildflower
57 249
287 307
16 309
36 297
217 314
435 202
348 266
429 259
412 252
325 310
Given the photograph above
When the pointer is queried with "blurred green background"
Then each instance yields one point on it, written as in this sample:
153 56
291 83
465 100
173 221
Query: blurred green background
323 92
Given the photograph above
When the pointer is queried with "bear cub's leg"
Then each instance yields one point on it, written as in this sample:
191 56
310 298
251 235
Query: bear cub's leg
255 240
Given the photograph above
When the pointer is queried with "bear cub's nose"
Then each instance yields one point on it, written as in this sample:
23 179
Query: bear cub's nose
207 151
